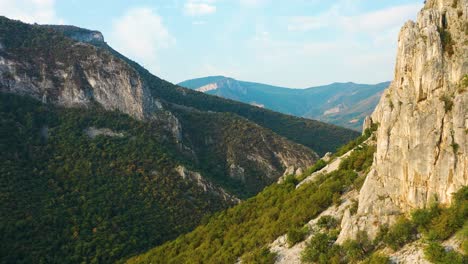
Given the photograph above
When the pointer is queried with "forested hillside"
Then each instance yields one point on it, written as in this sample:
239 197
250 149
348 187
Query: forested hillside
69 197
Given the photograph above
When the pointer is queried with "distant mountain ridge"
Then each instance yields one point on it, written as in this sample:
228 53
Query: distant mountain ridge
343 104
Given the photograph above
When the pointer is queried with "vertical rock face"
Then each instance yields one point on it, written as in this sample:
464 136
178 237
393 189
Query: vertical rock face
422 140
97 78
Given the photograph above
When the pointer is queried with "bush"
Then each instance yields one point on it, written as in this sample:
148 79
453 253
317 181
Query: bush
446 224
448 102
318 246
291 179
327 222
353 207
367 133
358 249
360 160
259 256
436 253
447 41
359 182
402 232
464 236
296 235
422 218
320 164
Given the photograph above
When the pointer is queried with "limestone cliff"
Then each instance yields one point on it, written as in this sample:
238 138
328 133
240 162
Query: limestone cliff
72 73
422 141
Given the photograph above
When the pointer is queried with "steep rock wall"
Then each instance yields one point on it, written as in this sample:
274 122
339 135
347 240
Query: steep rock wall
422 140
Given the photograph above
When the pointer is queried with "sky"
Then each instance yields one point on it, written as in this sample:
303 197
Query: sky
290 43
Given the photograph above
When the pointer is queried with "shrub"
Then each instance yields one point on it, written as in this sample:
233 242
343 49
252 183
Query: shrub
422 217
367 133
317 246
447 41
455 148
353 207
464 236
360 160
436 253
463 84
358 249
259 256
296 235
400 233
359 182
448 102
336 199
447 223
327 222
320 164
291 179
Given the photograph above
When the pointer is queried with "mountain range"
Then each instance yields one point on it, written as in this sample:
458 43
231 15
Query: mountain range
103 162
342 104
101 159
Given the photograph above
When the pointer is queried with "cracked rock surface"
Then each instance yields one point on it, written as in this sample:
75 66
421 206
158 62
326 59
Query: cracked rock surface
422 140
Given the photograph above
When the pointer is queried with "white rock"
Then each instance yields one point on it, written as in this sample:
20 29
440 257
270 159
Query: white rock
422 147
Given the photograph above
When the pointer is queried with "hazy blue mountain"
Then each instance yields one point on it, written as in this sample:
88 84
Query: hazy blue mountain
344 104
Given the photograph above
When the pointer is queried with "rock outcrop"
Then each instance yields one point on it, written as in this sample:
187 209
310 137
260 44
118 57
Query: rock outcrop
206 185
422 140
78 34
77 80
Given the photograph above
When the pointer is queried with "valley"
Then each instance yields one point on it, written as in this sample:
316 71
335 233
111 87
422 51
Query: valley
102 161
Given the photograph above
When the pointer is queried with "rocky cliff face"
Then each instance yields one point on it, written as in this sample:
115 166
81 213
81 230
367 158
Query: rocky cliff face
82 76
422 140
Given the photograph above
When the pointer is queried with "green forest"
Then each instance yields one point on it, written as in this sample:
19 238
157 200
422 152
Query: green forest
67 198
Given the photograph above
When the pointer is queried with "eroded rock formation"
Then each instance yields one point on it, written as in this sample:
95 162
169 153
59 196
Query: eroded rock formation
422 140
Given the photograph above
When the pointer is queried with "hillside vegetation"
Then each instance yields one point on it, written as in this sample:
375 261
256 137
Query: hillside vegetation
246 230
69 198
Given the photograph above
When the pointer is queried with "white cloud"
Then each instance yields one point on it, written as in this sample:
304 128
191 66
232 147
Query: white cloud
199 7
30 11
371 22
141 34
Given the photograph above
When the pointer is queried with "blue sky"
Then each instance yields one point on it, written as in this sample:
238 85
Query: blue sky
293 43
